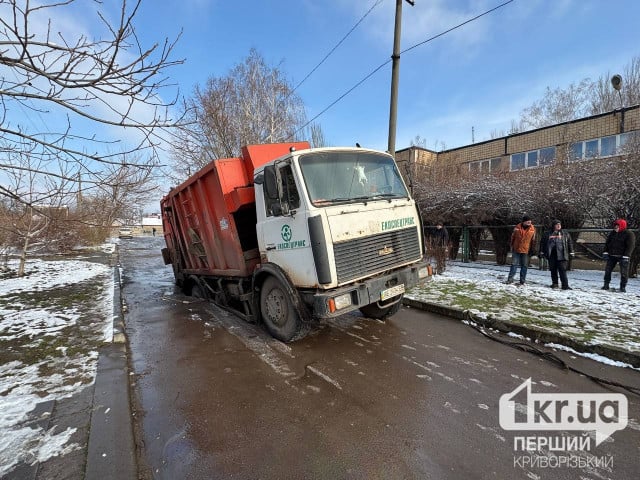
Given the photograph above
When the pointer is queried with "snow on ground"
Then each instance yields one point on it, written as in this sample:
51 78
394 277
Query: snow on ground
52 322
586 313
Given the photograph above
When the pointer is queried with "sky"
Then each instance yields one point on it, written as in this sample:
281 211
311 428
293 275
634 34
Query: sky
479 76
610 317
458 88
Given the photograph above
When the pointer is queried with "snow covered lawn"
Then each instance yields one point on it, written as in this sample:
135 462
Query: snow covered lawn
586 313
52 322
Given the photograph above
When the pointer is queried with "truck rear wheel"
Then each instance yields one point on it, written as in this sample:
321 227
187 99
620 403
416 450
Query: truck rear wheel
278 313
198 292
381 312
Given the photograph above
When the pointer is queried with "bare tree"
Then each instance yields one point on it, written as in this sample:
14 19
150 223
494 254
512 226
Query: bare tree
316 134
606 99
62 77
582 99
121 189
32 204
557 106
254 103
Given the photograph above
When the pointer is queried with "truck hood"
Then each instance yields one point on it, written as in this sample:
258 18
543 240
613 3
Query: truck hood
349 222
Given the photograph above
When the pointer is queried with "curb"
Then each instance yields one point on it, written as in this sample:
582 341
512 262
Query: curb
118 306
534 334
111 446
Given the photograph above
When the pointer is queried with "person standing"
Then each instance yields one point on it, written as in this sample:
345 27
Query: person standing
521 244
557 247
440 245
618 248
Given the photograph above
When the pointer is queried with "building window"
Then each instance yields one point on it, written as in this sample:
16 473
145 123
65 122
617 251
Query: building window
533 158
608 146
628 140
517 161
576 151
591 148
485 166
599 147
547 156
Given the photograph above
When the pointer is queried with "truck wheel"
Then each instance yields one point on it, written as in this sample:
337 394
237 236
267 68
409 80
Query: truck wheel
277 311
381 313
197 292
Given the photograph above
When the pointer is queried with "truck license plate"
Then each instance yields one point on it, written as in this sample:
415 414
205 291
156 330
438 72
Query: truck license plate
392 292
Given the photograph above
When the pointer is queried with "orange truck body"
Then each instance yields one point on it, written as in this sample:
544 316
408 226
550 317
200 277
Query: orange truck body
209 220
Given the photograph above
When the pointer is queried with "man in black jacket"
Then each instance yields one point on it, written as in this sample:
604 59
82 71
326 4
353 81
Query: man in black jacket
556 246
439 243
618 248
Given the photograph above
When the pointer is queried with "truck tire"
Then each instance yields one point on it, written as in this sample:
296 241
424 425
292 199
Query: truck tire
198 292
278 312
381 313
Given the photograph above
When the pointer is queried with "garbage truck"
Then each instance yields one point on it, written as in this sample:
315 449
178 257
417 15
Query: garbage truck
287 235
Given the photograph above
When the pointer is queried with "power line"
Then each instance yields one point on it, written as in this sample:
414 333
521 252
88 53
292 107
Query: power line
378 2
457 26
403 51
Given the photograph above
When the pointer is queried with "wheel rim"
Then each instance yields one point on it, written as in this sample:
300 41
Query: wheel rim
276 306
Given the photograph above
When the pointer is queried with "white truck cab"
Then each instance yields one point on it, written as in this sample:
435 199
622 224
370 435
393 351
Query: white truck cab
343 228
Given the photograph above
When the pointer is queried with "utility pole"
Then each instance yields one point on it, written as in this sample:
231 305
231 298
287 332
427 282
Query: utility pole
395 75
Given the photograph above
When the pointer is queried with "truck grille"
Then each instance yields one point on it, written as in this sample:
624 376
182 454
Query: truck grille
377 253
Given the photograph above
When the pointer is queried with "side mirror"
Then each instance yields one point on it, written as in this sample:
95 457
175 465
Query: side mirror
271 183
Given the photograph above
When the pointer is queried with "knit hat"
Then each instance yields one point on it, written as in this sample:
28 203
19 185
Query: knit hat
555 222
621 223
526 218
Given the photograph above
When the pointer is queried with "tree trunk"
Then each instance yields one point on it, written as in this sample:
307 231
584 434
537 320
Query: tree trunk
501 243
23 256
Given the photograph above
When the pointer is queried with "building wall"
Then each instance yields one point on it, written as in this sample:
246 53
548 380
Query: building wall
560 136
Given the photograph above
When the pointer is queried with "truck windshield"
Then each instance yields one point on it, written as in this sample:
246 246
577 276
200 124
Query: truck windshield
346 177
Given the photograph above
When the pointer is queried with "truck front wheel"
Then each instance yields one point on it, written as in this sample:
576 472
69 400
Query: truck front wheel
381 312
278 312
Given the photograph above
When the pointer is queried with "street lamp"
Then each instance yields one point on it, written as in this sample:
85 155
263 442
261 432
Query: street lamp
395 75
616 83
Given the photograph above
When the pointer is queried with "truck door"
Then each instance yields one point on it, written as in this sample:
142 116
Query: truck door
285 231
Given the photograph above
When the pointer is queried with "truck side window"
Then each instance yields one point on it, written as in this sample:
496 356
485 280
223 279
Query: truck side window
290 196
290 191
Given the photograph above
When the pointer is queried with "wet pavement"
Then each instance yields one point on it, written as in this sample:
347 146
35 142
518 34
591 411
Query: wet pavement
414 397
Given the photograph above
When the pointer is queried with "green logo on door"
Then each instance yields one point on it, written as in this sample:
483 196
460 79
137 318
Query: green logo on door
285 232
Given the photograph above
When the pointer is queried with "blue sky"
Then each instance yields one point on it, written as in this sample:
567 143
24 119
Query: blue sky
480 76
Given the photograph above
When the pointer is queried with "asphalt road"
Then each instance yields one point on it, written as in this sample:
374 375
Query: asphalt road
412 398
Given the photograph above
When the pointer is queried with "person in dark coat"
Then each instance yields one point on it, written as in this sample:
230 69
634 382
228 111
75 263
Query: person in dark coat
617 249
439 240
557 247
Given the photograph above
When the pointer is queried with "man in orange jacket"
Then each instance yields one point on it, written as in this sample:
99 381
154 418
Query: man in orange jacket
521 243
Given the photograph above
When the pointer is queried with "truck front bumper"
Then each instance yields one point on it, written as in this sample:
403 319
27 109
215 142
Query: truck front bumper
333 303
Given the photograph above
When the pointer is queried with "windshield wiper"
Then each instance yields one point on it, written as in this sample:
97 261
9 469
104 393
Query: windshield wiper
362 198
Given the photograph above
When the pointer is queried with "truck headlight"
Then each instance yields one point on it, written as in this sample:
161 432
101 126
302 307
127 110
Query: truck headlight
339 302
